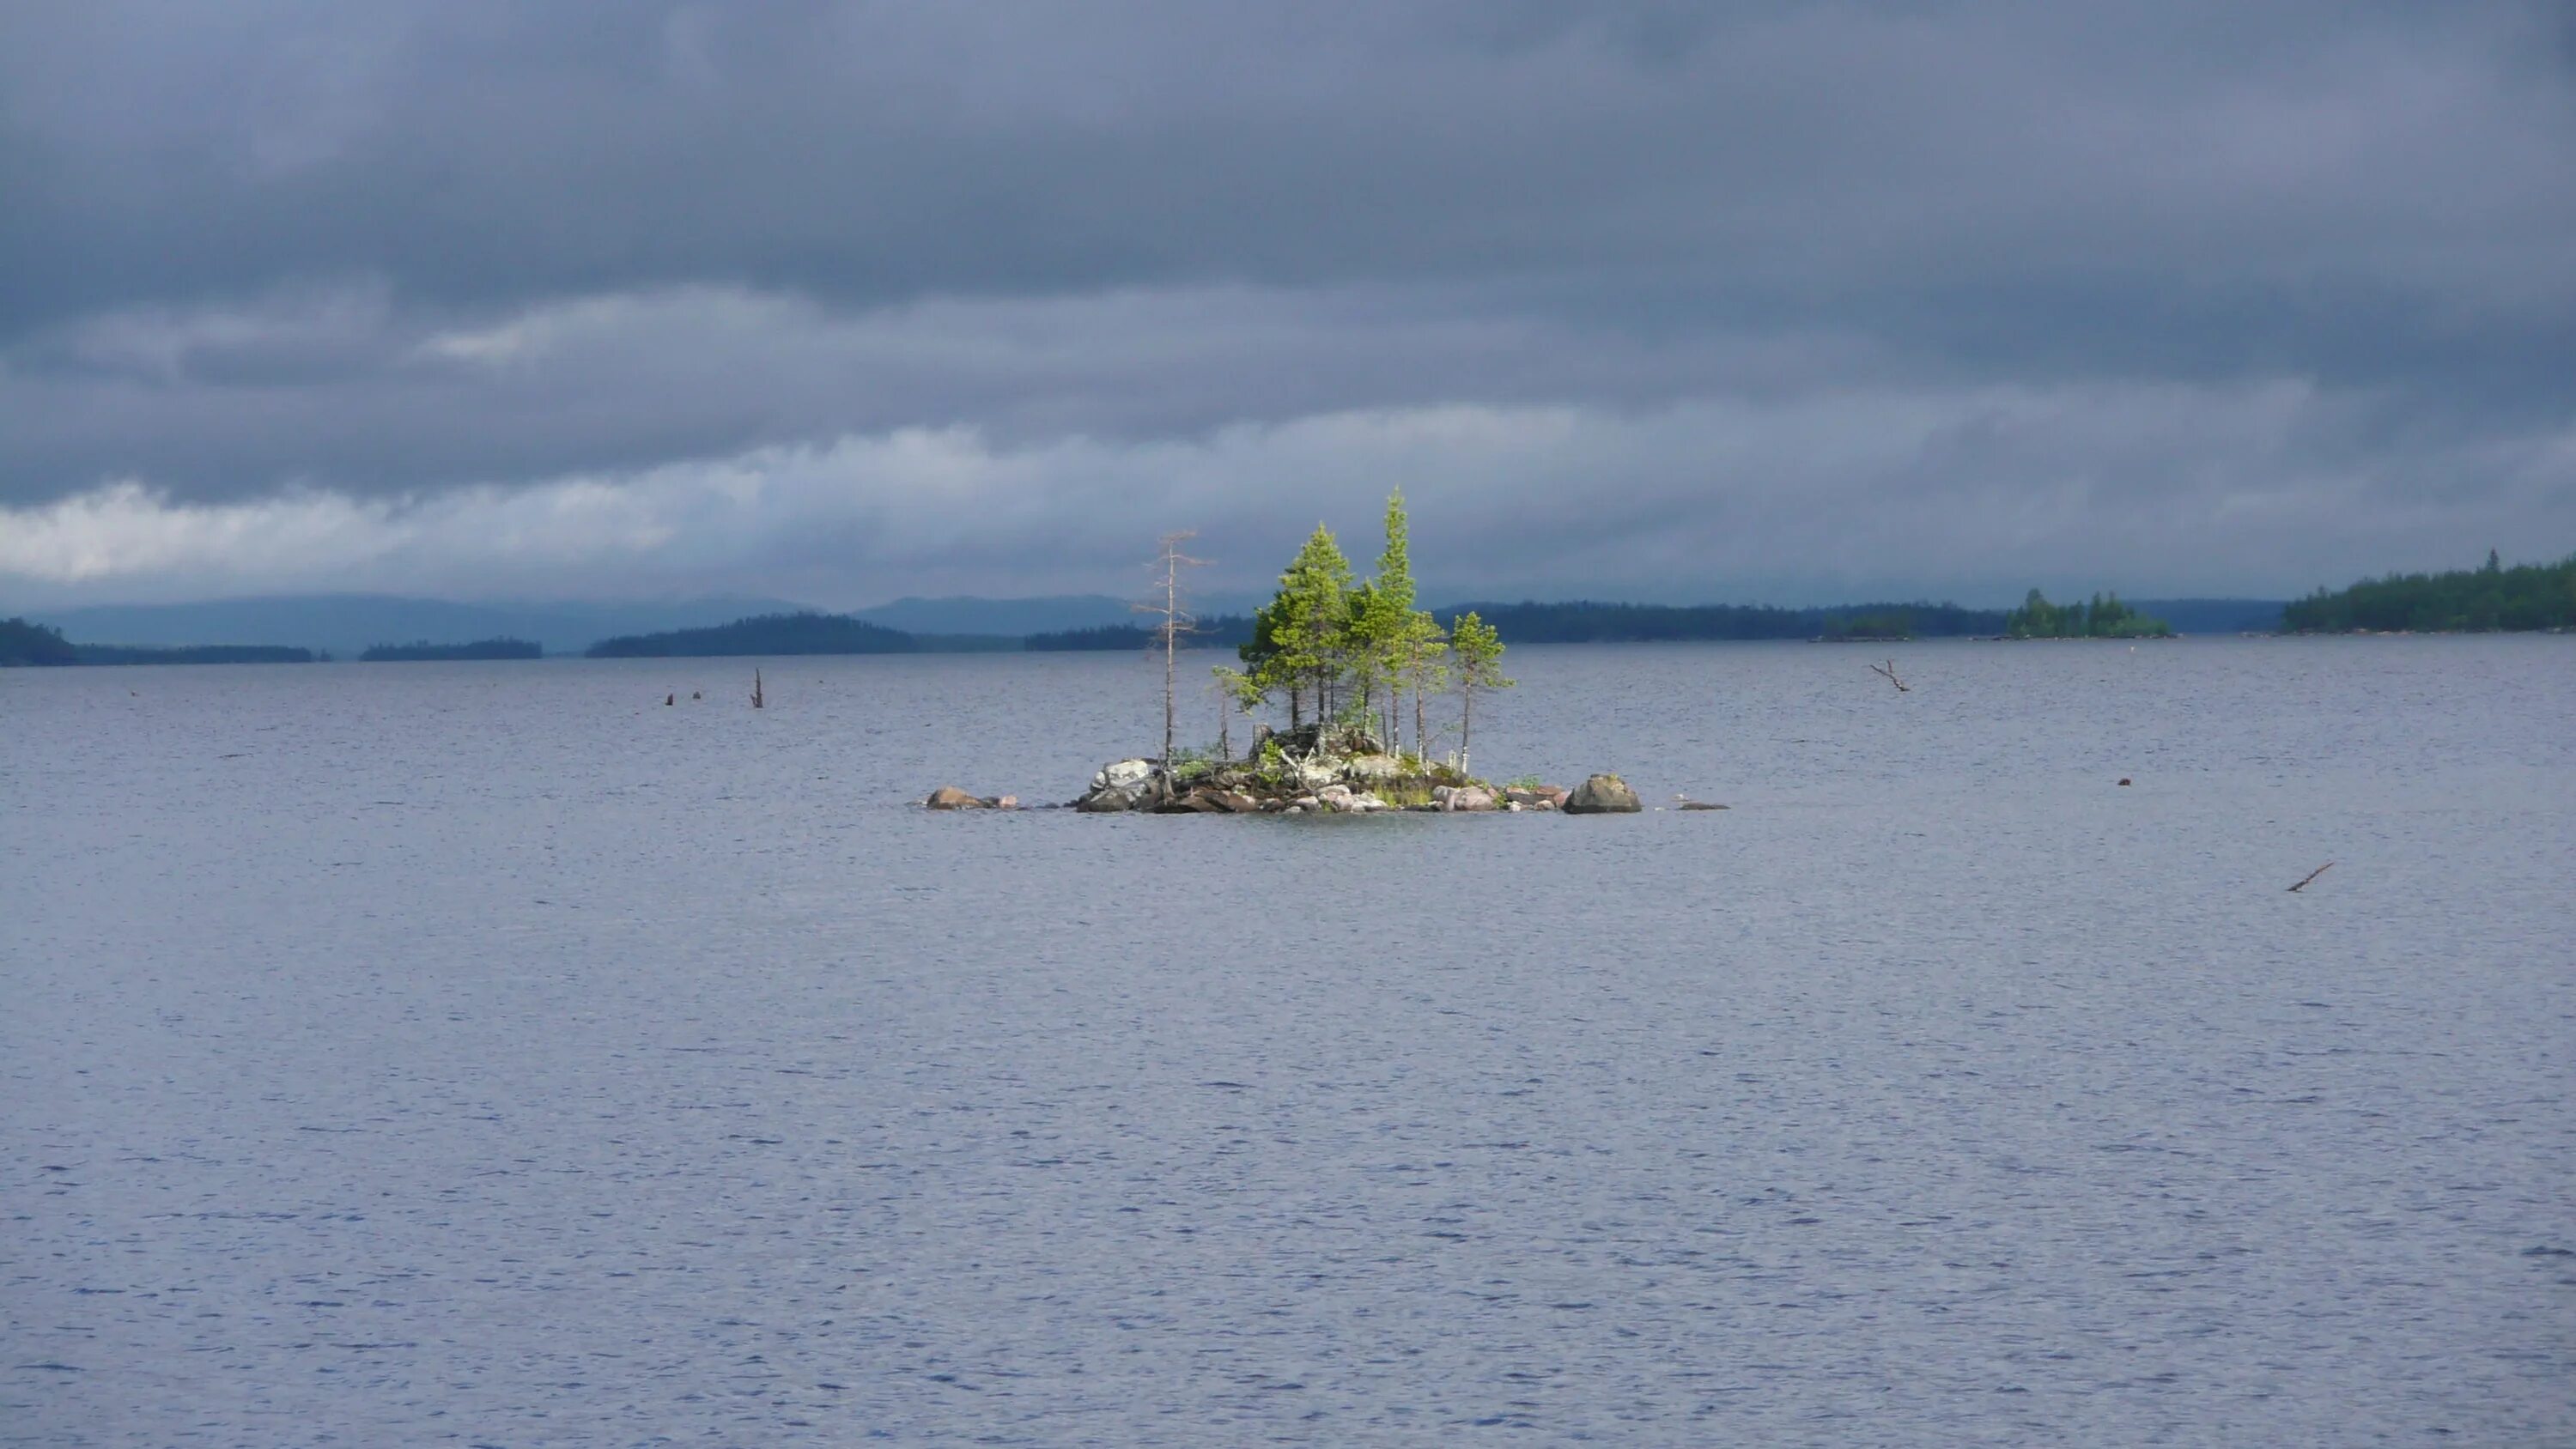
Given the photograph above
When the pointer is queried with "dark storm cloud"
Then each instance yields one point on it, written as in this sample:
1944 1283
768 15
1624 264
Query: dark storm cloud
374 249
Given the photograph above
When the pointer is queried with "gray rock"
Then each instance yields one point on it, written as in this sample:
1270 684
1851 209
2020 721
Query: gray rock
949 797
1371 769
1603 795
1126 785
1469 798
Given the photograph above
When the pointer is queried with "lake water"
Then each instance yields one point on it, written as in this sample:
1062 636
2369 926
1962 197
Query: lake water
490 1054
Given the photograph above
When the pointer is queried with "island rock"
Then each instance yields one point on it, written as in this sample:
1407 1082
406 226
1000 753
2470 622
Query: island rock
949 797
1603 795
1126 785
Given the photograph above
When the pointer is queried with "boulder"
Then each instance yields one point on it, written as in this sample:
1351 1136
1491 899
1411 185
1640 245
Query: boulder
1537 797
1701 805
1371 769
1365 803
1125 785
1603 795
949 797
1335 797
1469 798
1123 775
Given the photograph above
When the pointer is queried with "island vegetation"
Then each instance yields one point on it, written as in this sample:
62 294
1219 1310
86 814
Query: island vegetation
1364 678
2102 617
423 650
23 643
805 632
197 654
2491 598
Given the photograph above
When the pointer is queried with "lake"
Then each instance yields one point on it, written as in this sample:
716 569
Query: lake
491 1054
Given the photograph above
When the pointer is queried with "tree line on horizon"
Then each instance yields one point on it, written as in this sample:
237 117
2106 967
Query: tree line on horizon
25 643
420 651
806 631
2487 599
2104 617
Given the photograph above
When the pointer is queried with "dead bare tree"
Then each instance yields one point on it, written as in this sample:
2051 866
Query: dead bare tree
1176 621
1889 669
2312 875
757 702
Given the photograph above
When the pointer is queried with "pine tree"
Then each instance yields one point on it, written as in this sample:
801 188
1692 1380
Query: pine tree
1298 638
1480 656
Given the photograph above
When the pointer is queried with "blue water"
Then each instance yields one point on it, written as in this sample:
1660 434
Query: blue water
489 1054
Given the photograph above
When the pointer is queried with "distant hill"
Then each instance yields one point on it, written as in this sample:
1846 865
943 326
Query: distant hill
348 624
2475 601
804 632
425 651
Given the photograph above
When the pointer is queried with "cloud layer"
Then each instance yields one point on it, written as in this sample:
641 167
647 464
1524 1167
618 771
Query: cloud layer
852 300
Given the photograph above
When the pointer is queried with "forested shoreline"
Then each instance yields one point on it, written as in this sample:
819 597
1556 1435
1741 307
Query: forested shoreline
2490 599
420 651
762 634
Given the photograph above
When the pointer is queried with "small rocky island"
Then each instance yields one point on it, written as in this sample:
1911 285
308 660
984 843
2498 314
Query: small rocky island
1309 771
1351 665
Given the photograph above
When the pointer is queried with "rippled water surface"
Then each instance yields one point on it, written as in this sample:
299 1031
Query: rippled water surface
489 1054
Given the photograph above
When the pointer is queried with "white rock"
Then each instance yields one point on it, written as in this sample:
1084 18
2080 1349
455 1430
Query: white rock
1123 776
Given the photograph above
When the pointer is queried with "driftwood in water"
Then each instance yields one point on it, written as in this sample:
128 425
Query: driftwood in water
1889 669
2312 875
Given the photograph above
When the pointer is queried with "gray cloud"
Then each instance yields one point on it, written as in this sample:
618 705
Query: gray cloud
2066 261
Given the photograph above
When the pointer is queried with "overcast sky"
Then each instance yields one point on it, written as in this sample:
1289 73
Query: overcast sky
842 301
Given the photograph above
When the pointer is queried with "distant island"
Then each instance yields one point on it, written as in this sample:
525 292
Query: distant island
25 644
1218 631
1353 661
1583 621
763 634
2105 617
2489 599
423 650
